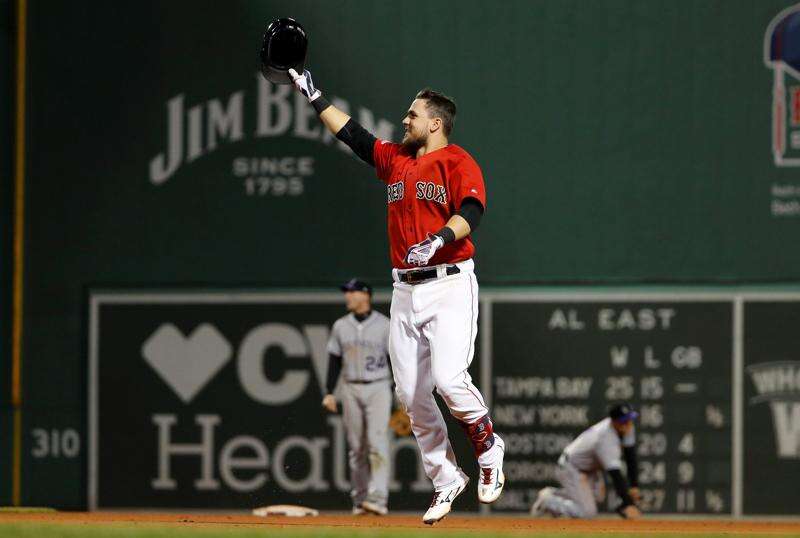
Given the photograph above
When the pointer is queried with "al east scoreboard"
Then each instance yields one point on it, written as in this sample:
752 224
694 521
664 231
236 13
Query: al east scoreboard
557 365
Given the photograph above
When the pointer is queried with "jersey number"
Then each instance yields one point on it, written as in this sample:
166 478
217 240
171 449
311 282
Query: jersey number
376 363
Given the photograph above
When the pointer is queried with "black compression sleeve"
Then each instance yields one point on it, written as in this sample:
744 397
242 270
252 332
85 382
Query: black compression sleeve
334 369
620 486
320 104
361 141
629 453
471 211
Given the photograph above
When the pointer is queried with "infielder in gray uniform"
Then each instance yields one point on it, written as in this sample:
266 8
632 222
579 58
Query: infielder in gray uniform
599 449
358 349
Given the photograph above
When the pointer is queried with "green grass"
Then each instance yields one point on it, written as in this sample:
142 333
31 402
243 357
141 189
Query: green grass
147 530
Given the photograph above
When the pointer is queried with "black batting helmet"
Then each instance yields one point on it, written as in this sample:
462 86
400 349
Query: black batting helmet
283 47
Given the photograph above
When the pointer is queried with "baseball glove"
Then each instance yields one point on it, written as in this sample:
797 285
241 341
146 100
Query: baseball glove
400 423
630 511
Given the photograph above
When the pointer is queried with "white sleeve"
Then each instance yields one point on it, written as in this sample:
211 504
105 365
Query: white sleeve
609 453
334 347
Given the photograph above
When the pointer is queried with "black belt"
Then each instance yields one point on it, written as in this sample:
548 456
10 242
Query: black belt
421 275
365 382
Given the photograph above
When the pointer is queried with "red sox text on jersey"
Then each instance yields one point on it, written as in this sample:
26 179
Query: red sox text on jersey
423 193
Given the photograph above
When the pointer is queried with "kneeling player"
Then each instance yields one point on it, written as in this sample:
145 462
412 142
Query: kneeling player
599 449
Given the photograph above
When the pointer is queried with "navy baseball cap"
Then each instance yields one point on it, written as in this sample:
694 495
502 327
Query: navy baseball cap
622 412
356 285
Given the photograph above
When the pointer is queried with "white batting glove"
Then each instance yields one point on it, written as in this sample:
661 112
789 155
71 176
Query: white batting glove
305 84
421 253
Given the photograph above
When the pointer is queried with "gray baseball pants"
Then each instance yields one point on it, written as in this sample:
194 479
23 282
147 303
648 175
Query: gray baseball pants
366 408
576 496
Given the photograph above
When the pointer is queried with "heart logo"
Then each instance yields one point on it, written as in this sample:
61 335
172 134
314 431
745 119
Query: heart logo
186 364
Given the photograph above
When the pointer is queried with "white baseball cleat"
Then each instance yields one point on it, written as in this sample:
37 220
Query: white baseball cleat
492 478
358 511
538 508
443 501
491 484
374 508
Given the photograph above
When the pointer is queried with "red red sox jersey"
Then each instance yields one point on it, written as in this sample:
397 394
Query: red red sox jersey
423 193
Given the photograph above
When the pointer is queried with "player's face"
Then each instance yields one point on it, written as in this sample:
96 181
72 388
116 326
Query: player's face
417 124
624 428
356 301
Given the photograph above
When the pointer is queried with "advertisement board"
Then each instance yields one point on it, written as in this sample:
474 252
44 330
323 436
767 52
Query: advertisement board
213 401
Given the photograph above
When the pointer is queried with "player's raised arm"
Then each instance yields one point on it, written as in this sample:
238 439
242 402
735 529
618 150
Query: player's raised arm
339 123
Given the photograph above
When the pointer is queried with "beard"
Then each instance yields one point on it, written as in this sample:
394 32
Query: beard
413 142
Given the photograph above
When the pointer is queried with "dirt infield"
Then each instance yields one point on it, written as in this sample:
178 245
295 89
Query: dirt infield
455 522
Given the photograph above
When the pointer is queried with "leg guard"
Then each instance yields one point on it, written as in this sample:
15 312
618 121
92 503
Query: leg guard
480 434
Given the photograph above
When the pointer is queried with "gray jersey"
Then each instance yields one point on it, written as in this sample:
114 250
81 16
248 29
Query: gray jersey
364 347
599 448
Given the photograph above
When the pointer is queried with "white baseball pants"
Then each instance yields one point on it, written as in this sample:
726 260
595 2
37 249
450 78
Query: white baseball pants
431 343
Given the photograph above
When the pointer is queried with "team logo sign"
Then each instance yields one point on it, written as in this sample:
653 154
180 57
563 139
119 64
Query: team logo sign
782 55
778 383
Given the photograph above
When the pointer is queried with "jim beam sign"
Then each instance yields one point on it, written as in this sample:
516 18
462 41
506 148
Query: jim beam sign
194 130
213 401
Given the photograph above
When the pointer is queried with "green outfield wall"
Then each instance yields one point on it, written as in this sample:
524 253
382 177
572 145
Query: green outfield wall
211 400
622 142
6 217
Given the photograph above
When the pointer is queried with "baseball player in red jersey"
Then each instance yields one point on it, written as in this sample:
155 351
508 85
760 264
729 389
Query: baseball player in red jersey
436 198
